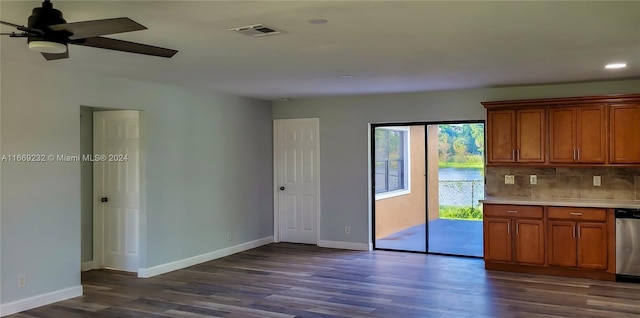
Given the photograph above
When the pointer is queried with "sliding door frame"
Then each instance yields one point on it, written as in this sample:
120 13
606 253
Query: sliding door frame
372 175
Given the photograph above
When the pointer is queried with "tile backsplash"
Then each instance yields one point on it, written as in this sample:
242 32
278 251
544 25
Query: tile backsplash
569 183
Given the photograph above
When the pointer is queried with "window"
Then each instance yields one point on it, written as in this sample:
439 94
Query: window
391 161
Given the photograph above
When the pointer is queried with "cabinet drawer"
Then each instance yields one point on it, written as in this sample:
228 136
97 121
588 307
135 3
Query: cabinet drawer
586 214
520 211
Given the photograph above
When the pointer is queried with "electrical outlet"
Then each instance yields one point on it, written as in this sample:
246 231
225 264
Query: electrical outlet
597 181
509 179
347 230
22 281
229 236
533 179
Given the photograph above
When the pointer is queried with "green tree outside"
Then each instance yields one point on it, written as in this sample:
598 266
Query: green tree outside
461 146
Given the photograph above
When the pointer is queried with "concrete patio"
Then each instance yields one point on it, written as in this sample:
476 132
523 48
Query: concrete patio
446 236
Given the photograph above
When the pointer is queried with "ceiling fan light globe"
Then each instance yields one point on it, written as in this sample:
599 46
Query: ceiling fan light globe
47 47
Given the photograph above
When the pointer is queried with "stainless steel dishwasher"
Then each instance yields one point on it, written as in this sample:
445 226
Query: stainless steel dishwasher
628 245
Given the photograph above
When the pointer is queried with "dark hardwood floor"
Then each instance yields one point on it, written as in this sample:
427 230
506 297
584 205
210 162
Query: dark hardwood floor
291 280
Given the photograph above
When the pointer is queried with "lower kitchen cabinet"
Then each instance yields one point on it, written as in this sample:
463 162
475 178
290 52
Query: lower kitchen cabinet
563 246
578 244
511 236
514 240
577 237
529 241
592 245
497 239
559 241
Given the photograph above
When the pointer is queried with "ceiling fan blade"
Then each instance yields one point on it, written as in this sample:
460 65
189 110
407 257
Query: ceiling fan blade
10 24
125 46
94 28
16 35
51 57
23 28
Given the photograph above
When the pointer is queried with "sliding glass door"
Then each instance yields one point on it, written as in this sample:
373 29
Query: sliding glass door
427 181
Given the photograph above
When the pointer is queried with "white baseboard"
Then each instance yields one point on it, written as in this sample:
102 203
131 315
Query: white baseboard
87 266
40 300
344 245
169 267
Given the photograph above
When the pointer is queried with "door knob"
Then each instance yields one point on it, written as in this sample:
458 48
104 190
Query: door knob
282 188
104 199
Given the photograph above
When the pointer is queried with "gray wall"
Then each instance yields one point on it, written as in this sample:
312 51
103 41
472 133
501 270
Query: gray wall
207 159
344 137
86 184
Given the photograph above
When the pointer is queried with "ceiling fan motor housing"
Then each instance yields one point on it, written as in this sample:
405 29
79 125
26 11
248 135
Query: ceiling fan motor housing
42 18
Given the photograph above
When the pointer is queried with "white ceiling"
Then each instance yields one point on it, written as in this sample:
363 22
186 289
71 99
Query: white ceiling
391 46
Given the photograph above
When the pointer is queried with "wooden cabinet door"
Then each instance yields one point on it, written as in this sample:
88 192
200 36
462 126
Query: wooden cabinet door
562 135
529 241
591 136
497 239
531 131
624 133
562 243
501 136
592 245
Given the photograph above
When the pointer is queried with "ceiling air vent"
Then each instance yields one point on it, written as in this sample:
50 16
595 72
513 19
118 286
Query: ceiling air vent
257 30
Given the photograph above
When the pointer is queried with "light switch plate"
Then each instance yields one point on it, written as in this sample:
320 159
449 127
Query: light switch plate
597 181
509 179
533 179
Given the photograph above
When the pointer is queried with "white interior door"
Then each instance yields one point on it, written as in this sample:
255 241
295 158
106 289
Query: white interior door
116 173
297 182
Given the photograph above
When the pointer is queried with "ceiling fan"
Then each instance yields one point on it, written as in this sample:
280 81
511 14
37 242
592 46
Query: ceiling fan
48 33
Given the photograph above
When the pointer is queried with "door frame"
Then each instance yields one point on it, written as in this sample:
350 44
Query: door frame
276 202
98 216
372 175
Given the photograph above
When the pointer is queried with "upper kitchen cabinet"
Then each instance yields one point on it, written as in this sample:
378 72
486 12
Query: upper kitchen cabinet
516 136
624 131
578 134
586 131
501 136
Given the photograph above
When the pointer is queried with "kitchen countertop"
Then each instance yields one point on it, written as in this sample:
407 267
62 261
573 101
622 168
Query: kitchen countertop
584 203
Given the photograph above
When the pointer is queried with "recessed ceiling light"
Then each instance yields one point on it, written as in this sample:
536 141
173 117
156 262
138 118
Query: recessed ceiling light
346 76
612 66
318 21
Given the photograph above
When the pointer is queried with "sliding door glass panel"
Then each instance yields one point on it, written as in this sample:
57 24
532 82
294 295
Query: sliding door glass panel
400 204
455 181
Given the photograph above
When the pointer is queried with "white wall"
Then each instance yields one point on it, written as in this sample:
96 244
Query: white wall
344 137
208 171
